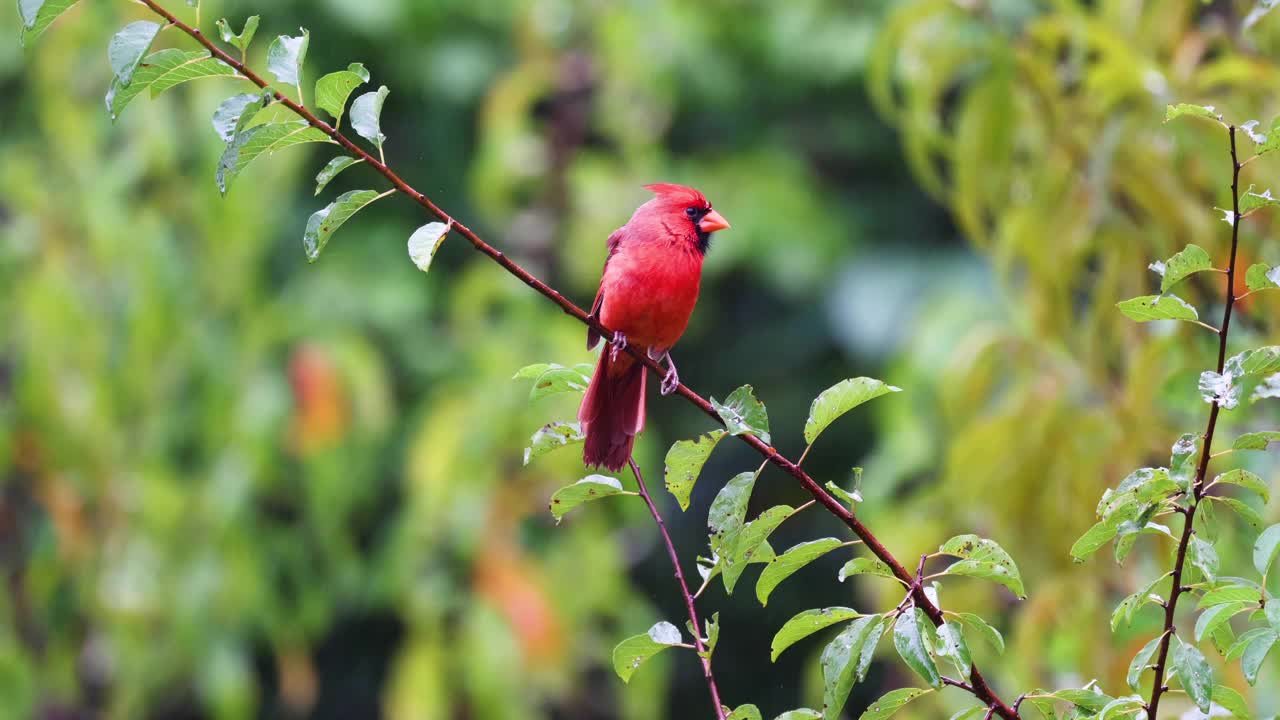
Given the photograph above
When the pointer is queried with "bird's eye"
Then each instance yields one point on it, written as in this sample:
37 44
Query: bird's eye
691 212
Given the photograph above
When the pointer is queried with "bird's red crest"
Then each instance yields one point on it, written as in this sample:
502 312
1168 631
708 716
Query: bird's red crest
679 194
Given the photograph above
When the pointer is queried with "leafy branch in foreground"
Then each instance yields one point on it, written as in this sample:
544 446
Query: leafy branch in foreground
258 123
1150 495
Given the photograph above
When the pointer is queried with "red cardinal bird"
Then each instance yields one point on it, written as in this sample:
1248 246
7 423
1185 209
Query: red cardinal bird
646 296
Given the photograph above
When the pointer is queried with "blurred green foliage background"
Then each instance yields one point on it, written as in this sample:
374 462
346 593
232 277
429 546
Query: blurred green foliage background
237 485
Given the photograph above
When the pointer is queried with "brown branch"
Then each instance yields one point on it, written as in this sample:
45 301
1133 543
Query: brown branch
980 688
684 589
1158 687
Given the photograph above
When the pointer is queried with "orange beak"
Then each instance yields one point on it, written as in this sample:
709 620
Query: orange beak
712 222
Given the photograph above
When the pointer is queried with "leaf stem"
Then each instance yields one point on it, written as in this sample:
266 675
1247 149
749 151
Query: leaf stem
684 589
1158 687
981 689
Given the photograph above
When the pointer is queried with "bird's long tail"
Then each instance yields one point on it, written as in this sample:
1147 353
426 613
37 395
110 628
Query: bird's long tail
612 411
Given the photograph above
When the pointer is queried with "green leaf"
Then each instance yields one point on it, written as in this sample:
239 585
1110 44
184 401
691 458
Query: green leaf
849 497
425 242
1189 261
1142 661
551 437
1260 9
845 661
1256 440
260 140
908 638
1246 479
1255 653
1182 461
236 112
1189 110
1157 307
286 56
729 512
807 623
38 15
744 543
713 634
1265 549
745 712
1088 697
786 564
128 46
742 413
1246 512
162 70
333 89
591 487
892 702
1093 539
1262 276
559 379
366 114
1232 702
331 170
1263 361
951 644
631 653
866 566
1230 594
245 37
970 713
1215 616
326 221
984 559
801 714
1194 673
1127 607
684 464
1203 557
976 623
840 399
1250 200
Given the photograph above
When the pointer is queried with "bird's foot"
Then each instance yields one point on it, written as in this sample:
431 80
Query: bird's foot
617 344
671 380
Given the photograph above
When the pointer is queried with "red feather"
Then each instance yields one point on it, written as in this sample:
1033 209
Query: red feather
648 291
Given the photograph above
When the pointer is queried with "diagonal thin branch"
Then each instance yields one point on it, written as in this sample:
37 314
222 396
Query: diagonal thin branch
684 589
1158 687
980 687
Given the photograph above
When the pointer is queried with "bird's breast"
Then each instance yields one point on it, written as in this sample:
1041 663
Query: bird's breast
650 292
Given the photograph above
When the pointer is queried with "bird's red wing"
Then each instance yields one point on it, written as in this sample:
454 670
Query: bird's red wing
593 337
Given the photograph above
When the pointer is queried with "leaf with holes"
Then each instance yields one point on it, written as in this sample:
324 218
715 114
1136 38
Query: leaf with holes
1256 440
785 565
840 399
729 512
1246 480
552 436
805 624
984 559
1262 276
742 413
1157 307
631 653
684 464
591 487
1189 261
326 221
333 89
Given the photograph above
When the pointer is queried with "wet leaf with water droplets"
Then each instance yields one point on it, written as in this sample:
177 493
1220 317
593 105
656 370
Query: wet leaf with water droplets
684 463
1157 307
552 436
1194 673
742 413
806 623
589 488
326 221
631 653
891 702
840 399
845 661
